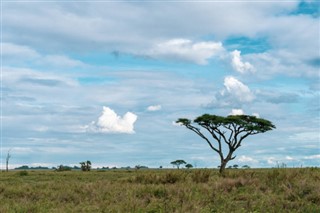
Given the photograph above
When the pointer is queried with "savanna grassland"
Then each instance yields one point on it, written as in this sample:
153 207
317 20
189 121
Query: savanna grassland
195 190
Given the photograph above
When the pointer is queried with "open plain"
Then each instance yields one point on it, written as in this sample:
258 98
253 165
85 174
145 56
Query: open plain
162 190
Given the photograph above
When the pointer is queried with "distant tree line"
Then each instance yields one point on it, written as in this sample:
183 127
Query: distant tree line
236 166
25 167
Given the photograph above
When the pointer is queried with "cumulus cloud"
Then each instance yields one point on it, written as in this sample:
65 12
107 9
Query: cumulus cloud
234 94
186 50
238 65
110 122
154 108
238 89
236 112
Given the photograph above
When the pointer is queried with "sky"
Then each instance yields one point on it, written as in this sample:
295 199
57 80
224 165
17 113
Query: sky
105 81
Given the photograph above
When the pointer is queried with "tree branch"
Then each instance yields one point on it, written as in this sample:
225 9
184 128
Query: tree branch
237 145
218 139
230 140
221 134
197 131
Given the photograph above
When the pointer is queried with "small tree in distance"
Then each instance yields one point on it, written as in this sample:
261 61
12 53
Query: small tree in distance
189 166
228 132
7 160
177 163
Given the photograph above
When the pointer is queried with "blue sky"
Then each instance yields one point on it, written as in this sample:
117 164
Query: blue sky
105 81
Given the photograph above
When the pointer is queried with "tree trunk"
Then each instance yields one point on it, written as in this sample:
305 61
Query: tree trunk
223 166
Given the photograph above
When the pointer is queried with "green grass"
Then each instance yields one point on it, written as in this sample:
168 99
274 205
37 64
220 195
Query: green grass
197 190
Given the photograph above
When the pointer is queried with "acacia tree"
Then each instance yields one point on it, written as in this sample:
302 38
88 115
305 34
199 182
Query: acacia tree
228 132
177 163
188 166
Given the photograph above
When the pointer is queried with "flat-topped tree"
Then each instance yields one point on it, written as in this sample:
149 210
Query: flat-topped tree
177 163
228 132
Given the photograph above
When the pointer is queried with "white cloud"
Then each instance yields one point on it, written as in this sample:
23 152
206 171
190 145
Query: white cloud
110 122
14 50
19 53
234 95
110 23
129 31
306 136
154 108
289 158
20 76
238 89
186 50
246 159
271 160
61 60
238 65
284 61
236 112
311 157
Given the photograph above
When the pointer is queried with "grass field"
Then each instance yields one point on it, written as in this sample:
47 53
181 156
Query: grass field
196 190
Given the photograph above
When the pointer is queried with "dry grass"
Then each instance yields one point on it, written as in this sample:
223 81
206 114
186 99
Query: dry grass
198 190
